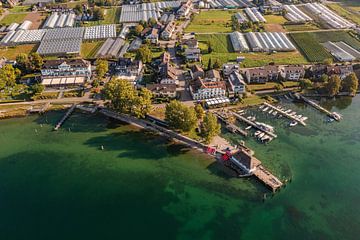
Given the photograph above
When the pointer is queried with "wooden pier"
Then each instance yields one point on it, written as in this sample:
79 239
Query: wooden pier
251 123
231 127
333 115
285 114
63 119
267 178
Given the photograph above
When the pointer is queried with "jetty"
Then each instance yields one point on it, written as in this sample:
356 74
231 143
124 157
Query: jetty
291 117
336 116
230 126
63 119
41 109
254 124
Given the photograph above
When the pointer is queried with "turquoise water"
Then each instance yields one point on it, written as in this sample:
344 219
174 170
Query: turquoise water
60 185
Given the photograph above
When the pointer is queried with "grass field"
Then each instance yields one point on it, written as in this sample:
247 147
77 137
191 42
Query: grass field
12 52
217 21
309 43
259 87
112 15
18 9
223 52
345 13
300 27
275 19
89 49
14 17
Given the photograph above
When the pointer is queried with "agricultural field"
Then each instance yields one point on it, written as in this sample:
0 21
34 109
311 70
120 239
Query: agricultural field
18 9
310 43
300 27
214 21
13 17
351 15
12 52
89 49
223 52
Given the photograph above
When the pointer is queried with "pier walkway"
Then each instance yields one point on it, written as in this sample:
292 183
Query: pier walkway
63 119
231 127
333 115
267 178
247 121
285 114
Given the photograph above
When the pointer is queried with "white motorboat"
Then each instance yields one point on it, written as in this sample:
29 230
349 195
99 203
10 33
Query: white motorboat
293 124
248 127
271 111
265 109
257 133
261 135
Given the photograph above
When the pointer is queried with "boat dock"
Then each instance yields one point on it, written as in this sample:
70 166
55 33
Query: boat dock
267 178
312 103
231 127
63 119
285 114
253 124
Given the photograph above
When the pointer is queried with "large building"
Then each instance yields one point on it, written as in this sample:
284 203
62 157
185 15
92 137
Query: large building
128 69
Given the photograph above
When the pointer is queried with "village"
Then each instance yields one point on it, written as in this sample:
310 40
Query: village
180 68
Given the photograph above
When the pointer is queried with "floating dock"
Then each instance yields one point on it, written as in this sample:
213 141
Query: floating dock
63 119
333 115
285 114
251 123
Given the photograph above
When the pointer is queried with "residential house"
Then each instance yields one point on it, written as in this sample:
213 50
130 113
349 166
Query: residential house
341 70
162 90
229 68
236 83
126 68
166 57
168 74
167 33
316 71
210 87
256 75
272 72
68 67
192 54
190 43
292 72
153 36
197 72
185 9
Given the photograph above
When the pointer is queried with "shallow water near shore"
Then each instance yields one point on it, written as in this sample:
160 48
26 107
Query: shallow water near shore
61 185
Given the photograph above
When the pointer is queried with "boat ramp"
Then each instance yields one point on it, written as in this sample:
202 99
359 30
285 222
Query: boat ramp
336 116
286 114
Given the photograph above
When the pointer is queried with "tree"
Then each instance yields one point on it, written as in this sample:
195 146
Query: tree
333 85
350 84
209 67
199 111
324 78
210 127
126 99
37 88
180 117
144 54
305 84
22 62
8 75
98 14
328 61
216 64
138 29
36 61
152 22
78 9
102 67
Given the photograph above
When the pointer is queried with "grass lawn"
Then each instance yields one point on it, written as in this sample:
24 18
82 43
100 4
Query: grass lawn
259 87
275 19
112 16
251 101
14 17
18 9
220 43
12 52
211 22
344 12
89 49
288 84
310 43
300 27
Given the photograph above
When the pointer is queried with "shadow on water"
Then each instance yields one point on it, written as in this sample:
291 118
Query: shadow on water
340 103
45 195
139 144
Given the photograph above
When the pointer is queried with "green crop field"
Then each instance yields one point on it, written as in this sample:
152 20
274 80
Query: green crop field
89 49
223 52
309 43
12 52
214 21
300 27
352 16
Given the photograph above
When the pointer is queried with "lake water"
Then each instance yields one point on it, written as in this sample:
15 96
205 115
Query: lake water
61 185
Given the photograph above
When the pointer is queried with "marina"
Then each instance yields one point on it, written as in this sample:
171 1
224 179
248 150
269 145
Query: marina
287 113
